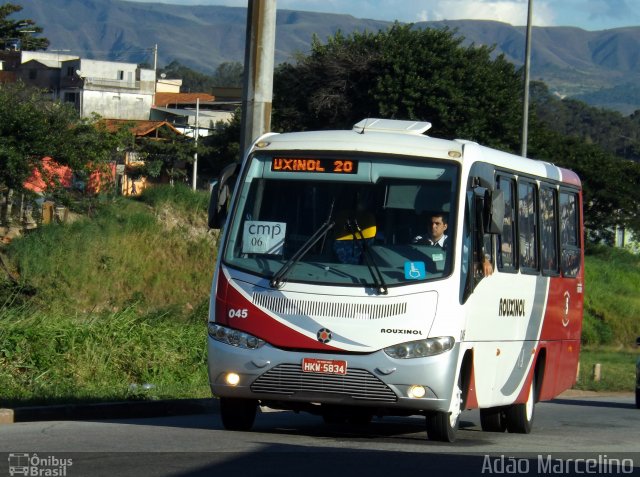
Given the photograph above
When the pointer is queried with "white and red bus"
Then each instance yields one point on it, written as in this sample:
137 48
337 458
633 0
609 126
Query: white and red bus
323 302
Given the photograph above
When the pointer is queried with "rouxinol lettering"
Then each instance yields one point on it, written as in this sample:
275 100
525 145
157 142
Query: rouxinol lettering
400 331
309 165
511 307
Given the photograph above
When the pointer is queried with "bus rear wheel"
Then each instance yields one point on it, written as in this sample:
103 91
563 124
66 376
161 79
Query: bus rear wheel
493 419
238 414
519 417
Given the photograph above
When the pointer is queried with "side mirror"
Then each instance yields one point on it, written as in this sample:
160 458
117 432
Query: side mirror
494 212
220 197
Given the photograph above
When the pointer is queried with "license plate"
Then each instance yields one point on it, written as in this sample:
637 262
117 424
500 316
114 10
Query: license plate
324 366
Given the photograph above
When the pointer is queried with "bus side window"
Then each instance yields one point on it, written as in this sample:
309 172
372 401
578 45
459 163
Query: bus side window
549 230
569 234
507 239
527 226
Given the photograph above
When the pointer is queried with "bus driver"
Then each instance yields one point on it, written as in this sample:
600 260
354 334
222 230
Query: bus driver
439 224
437 230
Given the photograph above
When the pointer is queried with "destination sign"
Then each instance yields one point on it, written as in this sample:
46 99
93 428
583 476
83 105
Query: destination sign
330 166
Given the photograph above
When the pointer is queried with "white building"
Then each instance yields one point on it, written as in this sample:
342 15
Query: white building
108 88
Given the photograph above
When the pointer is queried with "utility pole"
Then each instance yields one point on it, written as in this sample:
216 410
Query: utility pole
257 91
195 155
155 58
527 67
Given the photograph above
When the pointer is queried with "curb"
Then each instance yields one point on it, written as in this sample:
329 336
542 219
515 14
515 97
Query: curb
109 410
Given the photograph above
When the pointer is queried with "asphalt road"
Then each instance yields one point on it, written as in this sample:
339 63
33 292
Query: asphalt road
605 431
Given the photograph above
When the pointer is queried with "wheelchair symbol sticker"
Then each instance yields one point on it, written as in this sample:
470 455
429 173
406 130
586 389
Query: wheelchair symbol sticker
414 271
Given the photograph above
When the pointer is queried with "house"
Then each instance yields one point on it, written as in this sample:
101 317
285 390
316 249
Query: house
190 112
122 92
108 88
35 68
129 179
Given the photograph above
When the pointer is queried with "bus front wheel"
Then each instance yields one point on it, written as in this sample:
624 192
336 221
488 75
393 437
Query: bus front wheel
440 426
443 426
238 414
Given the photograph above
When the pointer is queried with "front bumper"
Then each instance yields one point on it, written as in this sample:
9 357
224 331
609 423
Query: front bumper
373 380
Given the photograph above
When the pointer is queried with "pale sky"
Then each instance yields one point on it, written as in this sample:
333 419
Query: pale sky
586 14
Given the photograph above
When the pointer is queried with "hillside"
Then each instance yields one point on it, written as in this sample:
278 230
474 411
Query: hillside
570 60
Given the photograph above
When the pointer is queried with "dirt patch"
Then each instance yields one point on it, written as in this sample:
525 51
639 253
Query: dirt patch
194 228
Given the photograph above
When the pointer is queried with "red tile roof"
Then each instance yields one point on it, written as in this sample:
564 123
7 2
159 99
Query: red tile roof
138 127
168 99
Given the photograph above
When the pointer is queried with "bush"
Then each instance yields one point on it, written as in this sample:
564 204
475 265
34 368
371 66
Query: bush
128 253
595 331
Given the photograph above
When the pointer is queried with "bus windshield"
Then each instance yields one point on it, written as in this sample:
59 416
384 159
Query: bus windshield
367 225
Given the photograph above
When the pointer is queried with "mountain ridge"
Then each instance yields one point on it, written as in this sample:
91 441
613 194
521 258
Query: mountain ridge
572 61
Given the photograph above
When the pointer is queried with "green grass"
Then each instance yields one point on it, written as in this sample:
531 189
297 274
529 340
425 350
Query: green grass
57 358
617 369
116 299
130 252
612 301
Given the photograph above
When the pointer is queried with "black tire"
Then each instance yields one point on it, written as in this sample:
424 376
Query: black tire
238 414
493 419
638 398
519 417
440 427
443 425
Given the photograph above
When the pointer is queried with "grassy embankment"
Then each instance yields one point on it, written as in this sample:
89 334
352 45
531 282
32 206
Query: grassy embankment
612 319
107 304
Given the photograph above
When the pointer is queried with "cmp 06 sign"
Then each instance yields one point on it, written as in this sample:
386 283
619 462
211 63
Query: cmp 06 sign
263 237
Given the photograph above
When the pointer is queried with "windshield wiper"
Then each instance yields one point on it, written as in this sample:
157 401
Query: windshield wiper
278 278
378 280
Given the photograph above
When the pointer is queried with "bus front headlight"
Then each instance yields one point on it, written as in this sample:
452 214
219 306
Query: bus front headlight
421 348
234 337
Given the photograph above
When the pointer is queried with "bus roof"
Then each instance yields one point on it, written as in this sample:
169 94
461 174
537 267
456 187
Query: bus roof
369 141
407 138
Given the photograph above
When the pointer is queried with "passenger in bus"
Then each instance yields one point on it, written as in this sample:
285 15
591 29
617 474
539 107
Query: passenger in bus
487 266
482 264
437 227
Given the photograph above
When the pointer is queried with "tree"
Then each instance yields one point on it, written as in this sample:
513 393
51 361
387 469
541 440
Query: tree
228 74
167 154
610 191
33 127
192 81
22 30
613 132
223 146
403 72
